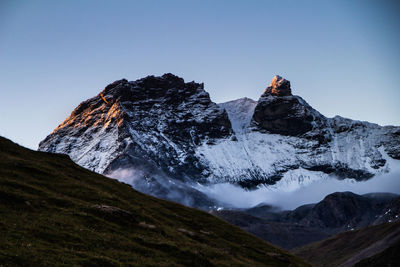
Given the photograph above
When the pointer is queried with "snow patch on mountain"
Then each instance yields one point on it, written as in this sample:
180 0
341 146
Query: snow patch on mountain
260 156
296 179
240 112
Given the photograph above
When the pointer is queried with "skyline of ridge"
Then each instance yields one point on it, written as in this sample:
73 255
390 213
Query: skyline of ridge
341 57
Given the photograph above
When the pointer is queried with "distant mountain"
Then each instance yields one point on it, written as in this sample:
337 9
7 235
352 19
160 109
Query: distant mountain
336 213
54 212
370 246
283 234
345 211
165 136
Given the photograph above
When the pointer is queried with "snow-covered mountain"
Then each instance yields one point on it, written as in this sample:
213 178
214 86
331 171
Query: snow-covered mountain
165 132
154 123
285 138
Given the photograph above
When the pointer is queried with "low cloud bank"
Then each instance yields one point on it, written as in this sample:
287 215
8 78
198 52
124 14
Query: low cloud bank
313 192
128 175
228 195
159 185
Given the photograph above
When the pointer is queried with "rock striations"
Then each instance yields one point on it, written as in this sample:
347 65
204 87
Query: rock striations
163 127
152 122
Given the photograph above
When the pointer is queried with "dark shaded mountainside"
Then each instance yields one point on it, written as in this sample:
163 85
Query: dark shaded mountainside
54 212
163 135
337 212
377 245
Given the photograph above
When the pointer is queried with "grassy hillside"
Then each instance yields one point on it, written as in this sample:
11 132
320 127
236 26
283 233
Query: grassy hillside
350 247
390 257
53 212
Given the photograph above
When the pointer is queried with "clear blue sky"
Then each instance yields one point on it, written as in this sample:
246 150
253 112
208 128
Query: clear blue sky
343 57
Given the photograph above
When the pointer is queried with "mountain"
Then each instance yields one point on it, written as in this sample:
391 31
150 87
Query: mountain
54 212
336 213
166 137
343 211
155 122
364 247
283 234
289 144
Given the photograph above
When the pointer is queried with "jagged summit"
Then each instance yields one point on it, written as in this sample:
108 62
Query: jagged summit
279 86
128 119
278 111
169 87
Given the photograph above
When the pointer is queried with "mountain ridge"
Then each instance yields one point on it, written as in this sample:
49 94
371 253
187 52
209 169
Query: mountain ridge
337 212
166 131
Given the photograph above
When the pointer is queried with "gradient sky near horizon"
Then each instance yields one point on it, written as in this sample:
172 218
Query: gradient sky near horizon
342 57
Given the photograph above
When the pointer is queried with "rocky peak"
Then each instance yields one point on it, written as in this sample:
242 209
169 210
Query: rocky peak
153 120
278 111
279 86
166 88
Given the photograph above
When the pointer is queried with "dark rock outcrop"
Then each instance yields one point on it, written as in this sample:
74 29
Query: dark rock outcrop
280 112
279 86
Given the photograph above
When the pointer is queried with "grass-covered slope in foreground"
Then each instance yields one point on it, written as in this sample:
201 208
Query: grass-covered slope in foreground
387 258
53 212
349 248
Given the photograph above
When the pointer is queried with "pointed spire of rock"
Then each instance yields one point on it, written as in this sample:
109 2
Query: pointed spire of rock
279 86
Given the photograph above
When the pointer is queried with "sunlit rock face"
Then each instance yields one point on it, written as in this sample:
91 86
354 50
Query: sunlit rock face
278 111
279 87
153 123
